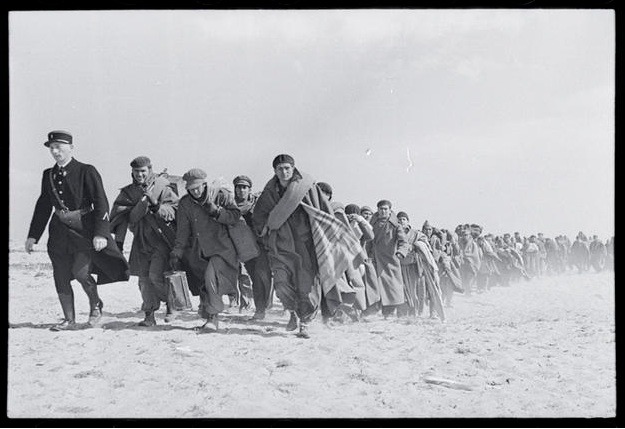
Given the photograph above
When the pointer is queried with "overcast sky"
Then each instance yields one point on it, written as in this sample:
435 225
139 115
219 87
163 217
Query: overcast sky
506 116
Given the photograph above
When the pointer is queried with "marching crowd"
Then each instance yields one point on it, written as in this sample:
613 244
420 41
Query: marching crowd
292 238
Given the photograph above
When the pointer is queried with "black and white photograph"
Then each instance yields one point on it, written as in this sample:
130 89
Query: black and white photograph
311 213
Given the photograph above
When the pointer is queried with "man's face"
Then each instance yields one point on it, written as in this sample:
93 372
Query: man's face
384 211
284 171
140 174
241 192
427 231
403 221
197 191
61 152
366 214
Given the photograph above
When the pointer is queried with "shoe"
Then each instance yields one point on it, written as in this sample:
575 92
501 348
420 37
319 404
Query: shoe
258 315
171 314
293 322
149 320
65 325
211 324
303 331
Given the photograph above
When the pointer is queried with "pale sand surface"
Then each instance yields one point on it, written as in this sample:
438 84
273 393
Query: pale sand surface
543 348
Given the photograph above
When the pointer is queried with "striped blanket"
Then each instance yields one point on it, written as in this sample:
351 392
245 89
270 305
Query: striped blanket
336 246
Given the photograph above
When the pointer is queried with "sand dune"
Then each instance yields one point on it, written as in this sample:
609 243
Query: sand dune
543 348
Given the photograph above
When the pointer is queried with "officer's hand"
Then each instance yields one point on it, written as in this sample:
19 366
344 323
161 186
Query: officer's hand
30 243
174 262
99 243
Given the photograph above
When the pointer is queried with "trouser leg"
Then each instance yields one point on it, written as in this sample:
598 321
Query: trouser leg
212 301
260 272
81 270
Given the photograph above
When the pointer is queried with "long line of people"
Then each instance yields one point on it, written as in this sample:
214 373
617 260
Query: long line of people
294 238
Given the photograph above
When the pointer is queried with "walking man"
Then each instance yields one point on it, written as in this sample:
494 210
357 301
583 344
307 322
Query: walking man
79 242
258 268
147 207
309 249
202 224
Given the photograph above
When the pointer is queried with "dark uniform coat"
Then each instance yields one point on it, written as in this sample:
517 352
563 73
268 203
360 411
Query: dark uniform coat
80 188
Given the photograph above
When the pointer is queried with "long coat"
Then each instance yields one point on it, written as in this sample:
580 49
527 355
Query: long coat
82 189
143 222
389 239
200 236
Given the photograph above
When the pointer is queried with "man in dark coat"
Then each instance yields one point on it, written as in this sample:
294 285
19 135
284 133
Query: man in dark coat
79 242
202 221
309 249
149 206
389 246
258 268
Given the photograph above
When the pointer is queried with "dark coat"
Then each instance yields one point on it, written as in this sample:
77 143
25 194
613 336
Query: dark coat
82 188
153 230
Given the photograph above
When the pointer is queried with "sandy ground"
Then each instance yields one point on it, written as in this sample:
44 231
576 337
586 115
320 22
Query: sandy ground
543 348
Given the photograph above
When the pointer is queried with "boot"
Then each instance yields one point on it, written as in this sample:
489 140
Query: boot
69 320
149 319
293 322
303 331
258 315
95 303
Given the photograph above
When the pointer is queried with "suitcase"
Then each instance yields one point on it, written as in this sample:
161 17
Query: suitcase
178 290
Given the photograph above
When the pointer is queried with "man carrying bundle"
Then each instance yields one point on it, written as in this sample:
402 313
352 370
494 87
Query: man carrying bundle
202 224
147 207
309 249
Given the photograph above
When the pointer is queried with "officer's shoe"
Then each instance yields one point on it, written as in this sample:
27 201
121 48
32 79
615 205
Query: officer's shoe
94 316
65 325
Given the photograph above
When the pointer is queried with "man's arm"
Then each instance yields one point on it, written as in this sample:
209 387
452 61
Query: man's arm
41 214
93 183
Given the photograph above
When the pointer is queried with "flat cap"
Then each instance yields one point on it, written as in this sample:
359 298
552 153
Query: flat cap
141 161
194 178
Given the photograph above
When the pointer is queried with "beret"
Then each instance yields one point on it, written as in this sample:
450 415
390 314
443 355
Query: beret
351 209
283 158
403 214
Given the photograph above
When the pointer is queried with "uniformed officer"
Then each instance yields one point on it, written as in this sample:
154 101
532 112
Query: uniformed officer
79 242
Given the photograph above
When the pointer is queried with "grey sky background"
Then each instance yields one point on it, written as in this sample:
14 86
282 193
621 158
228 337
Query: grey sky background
507 115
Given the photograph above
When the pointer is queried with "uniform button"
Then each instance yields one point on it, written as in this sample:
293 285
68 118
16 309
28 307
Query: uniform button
60 182
60 192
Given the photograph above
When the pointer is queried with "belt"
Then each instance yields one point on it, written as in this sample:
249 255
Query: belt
82 211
